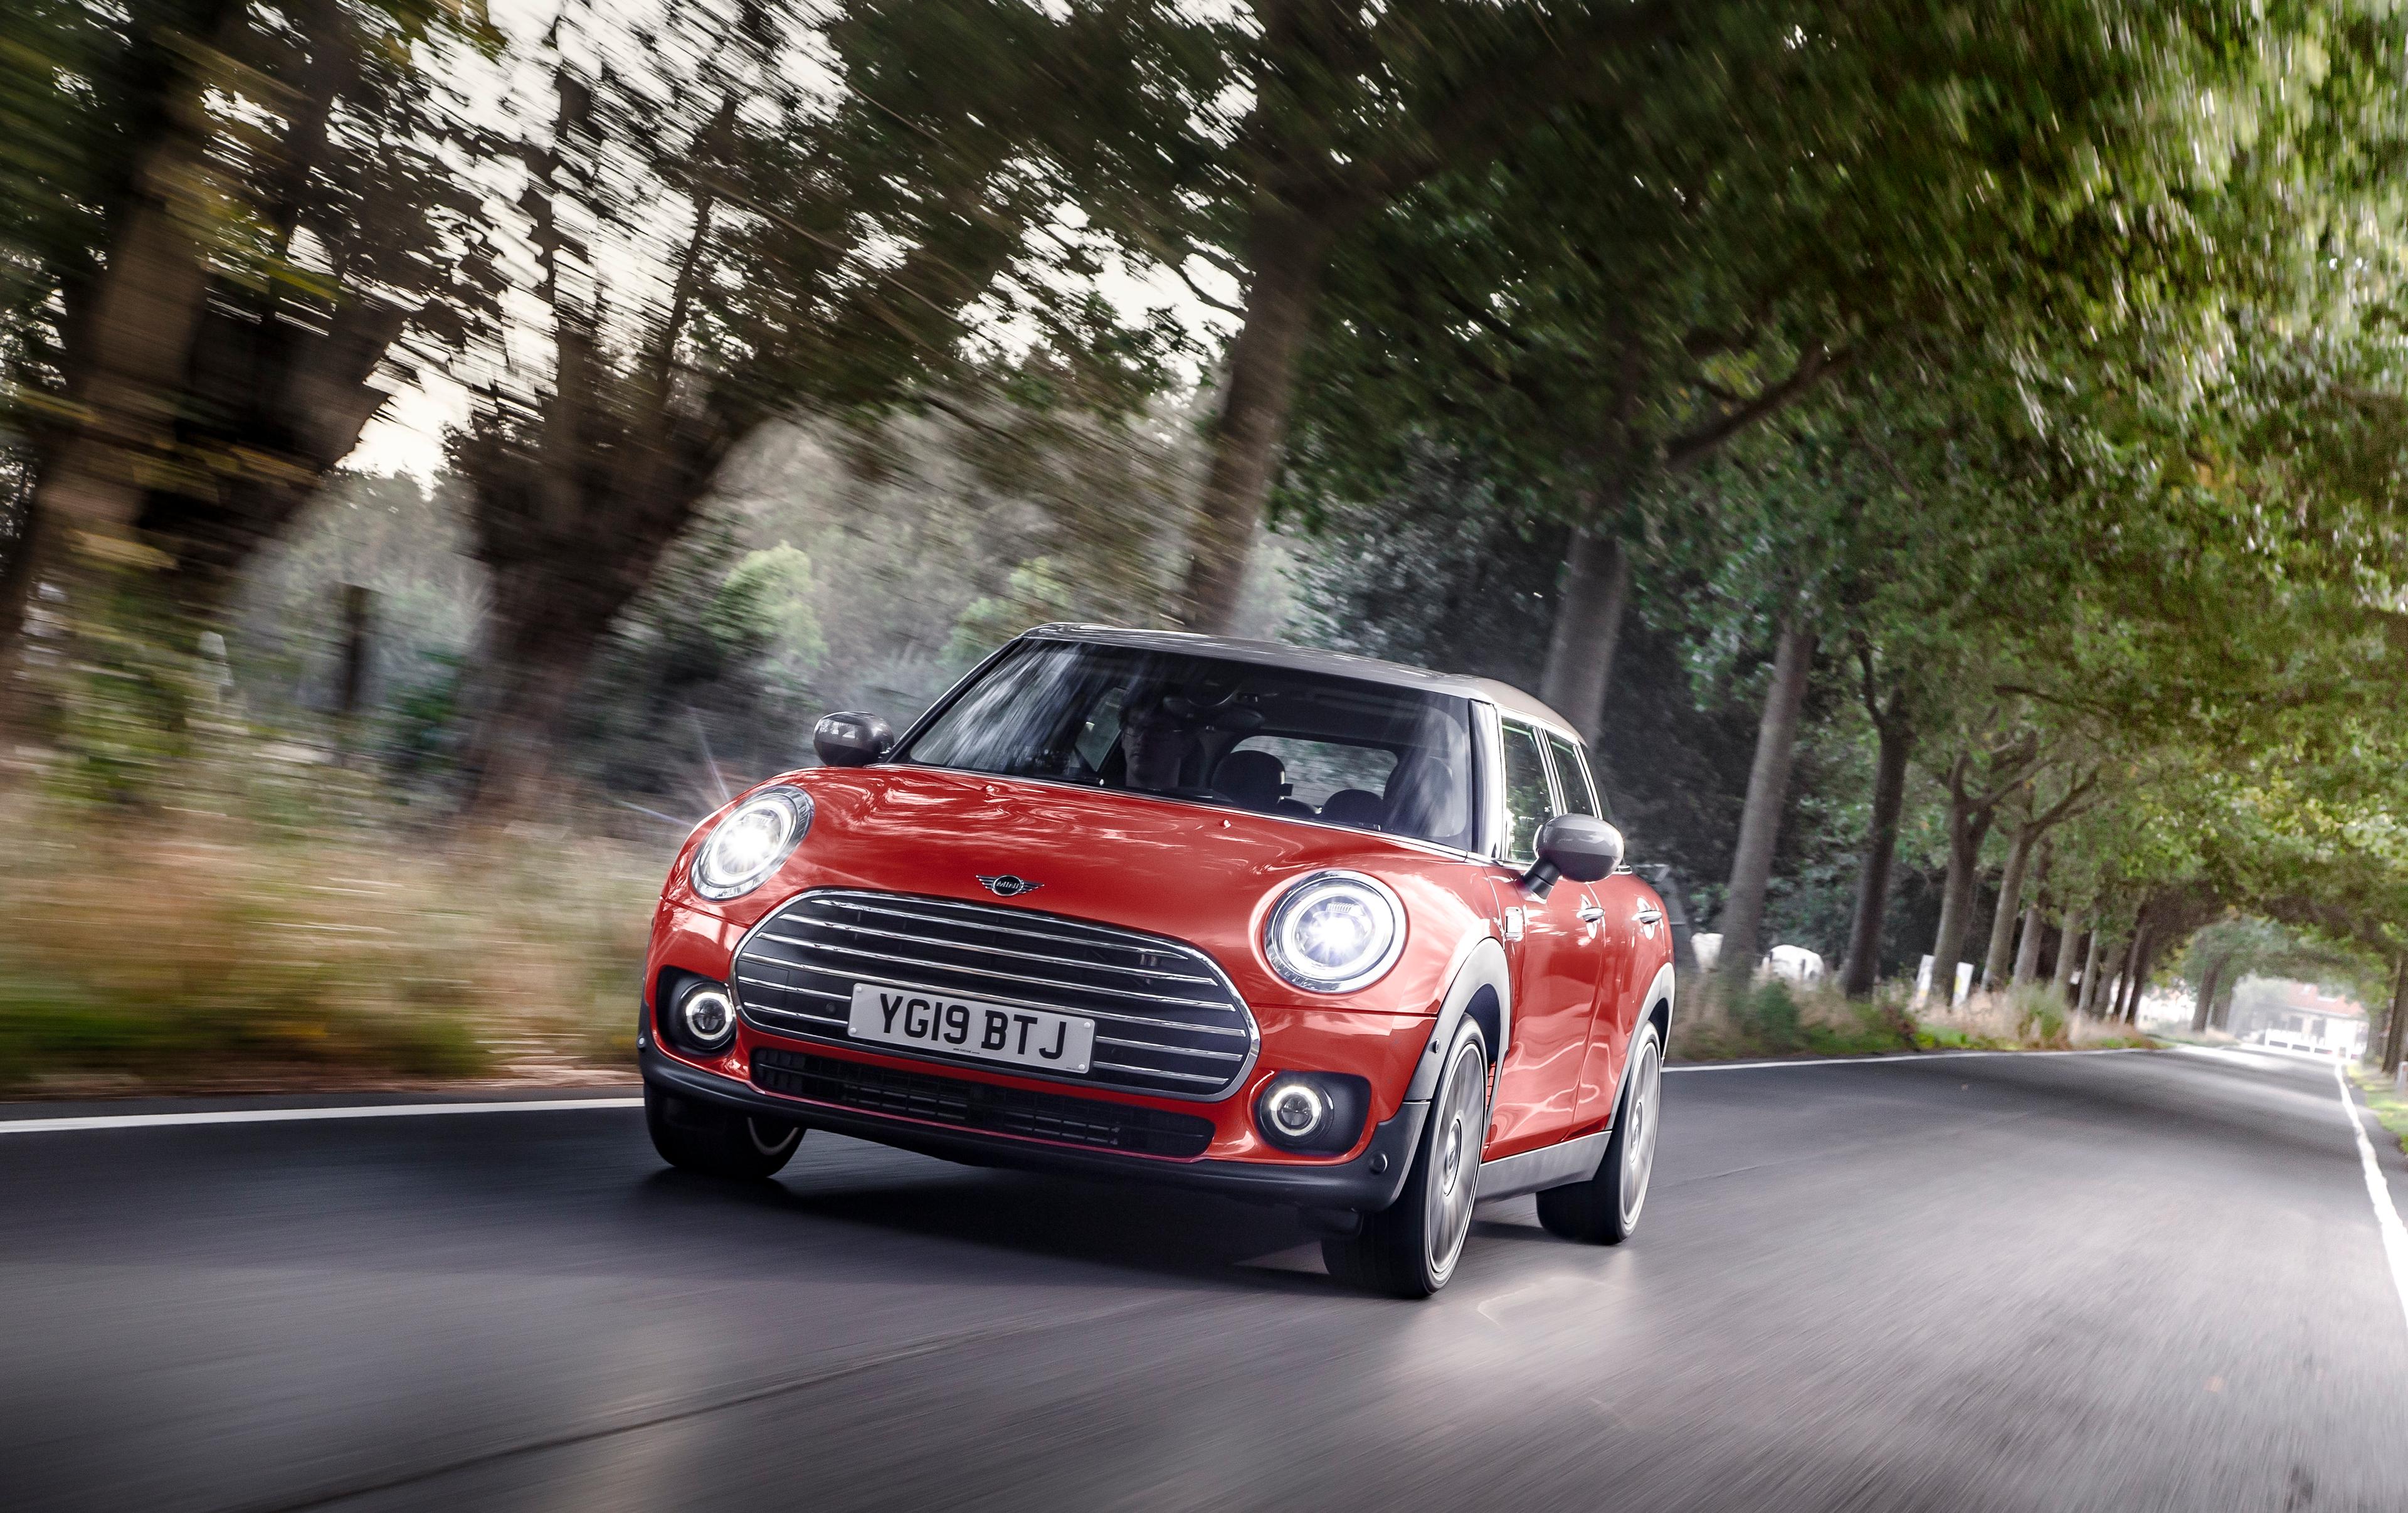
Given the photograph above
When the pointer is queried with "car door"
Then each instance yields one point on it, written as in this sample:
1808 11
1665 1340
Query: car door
1624 907
1553 947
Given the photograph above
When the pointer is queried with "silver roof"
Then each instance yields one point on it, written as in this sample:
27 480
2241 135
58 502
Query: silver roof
1508 698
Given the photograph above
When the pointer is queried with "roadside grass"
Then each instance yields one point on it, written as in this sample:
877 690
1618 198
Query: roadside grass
1776 1018
2390 1108
216 949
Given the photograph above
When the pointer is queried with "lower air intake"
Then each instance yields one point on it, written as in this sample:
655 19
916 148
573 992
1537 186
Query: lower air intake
979 1105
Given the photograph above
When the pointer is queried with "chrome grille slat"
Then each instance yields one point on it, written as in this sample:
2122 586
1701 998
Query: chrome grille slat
1168 947
1153 1072
788 987
836 1019
989 950
1182 1051
801 961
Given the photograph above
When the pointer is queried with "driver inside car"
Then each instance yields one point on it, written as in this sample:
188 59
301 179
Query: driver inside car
1155 746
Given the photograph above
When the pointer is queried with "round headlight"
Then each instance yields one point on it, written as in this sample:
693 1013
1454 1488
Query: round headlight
753 842
1335 932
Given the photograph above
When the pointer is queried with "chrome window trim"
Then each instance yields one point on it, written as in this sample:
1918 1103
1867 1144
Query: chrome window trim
1538 733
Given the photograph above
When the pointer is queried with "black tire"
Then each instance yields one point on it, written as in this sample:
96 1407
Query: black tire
1605 1209
1409 1249
696 1136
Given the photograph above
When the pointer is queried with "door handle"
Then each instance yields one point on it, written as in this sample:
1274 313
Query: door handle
1649 915
1590 913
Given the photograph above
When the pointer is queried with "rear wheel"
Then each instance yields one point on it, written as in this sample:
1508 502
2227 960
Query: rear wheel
1604 1210
1409 1249
696 1136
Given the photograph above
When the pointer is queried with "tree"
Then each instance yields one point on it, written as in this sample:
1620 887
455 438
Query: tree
1345 112
236 216
838 259
2030 830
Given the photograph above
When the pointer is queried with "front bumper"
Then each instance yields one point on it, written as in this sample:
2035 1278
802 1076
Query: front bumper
1367 1184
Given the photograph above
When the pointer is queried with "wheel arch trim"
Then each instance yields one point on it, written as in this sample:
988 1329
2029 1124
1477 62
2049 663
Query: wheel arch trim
1482 988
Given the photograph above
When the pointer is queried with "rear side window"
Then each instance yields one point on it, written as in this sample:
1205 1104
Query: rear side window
1527 806
1572 775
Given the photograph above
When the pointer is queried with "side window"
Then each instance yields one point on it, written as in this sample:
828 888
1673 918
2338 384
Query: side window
1527 806
1572 775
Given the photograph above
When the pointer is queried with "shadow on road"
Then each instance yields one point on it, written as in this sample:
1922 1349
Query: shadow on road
998 1223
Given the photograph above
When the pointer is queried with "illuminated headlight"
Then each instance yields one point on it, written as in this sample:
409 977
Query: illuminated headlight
753 842
1335 932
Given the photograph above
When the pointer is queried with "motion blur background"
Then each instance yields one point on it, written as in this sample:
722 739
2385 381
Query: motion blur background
1949 458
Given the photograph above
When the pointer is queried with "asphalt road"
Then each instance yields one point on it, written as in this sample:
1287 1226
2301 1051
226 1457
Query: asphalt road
2115 1282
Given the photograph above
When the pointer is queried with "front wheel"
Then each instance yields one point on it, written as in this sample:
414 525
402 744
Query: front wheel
1409 1249
1604 1210
696 1136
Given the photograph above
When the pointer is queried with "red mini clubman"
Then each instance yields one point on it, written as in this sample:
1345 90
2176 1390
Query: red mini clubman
1291 925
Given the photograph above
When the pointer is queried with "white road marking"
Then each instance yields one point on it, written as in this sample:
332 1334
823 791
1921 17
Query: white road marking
2387 1213
299 1115
1898 1056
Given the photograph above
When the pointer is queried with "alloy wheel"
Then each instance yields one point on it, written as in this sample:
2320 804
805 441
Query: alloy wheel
1639 1129
1454 1160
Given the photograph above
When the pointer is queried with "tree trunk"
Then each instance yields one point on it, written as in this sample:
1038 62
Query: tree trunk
2203 1013
2396 1032
1767 790
1588 625
539 646
2069 942
1968 827
2028 948
1286 250
2149 970
2011 903
1862 969
2091 961
2137 975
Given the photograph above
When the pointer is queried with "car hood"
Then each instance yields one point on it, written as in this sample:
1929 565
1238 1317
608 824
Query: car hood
1193 871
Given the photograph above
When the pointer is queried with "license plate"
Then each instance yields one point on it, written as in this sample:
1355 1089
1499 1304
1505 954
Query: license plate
965 1027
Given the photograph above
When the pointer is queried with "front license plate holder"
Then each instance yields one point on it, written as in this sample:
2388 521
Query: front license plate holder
1007 1034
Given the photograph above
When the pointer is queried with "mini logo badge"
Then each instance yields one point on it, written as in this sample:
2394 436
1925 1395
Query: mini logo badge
1005 885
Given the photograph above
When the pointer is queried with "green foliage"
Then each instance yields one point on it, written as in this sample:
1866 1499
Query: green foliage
764 609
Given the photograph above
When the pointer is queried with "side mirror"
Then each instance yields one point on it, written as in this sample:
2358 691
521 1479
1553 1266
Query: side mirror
1577 847
853 739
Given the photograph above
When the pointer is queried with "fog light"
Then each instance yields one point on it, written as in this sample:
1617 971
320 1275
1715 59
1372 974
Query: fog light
1297 1109
707 1017
1313 1113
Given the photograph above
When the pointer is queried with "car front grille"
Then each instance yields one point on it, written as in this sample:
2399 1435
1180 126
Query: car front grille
980 1105
1167 1021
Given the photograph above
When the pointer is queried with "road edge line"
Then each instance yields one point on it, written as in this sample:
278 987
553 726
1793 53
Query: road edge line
2378 1192
304 1115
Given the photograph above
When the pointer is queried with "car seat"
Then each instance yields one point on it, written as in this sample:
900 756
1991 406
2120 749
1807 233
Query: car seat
1425 799
1254 780
1358 807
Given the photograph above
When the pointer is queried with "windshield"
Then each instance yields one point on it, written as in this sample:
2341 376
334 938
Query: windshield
1271 739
